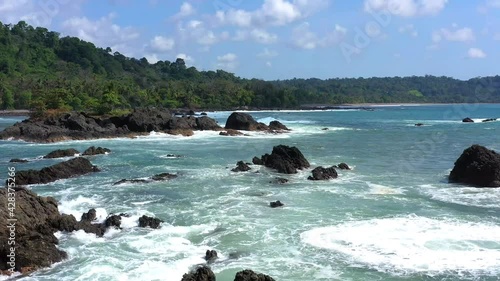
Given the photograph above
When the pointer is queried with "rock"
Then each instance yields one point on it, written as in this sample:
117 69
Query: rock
489 120
343 166
36 245
468 120
174 156
181 132
123 181
249 275
203 114
202 273
95 151
65 223
61 153
257 161
245 122
113 221
325 129
17 160
477 166
191 112
211 256
419 125
241 167
279 181
163 177
71 168
321 173
285 159
276 204
148 119
205 124
146 221
231 133
90 216
276 125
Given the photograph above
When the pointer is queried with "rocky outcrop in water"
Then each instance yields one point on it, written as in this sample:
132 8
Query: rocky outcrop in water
79 126
477 166
279 181
71 168
343 166
249 275
241 167
146 221
277 126
202 273
321 173
276 204
60 153
468 120
284 159
95 151
489 120
245 122
158 177
211 256
17 160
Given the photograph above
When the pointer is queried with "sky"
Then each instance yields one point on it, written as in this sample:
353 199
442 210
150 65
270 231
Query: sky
284 39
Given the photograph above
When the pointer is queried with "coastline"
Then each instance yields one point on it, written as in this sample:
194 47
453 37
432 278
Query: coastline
15 112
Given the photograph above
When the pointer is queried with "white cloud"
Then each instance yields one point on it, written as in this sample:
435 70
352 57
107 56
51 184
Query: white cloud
406 8
187 59
103 33
185 10
409 29
162 44
272 12
269 64
267 54
197 32
258 35
304 38
228 61
465 34
37 13
475 53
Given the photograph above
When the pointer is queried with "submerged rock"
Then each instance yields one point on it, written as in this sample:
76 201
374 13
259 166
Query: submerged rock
285 159
249 275
241 167
477 166
211 256
231 132
279 181
489 120
95 151
17 160
468 120
71 168
60 153
276 204
163 177
419 124
321 173
343 166
158 177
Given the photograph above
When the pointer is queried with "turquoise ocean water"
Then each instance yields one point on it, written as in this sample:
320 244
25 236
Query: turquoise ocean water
393 217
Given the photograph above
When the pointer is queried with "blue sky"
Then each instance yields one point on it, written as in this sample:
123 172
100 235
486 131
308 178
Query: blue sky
281 39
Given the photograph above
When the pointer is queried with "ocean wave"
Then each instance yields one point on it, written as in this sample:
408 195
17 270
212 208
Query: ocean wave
413 244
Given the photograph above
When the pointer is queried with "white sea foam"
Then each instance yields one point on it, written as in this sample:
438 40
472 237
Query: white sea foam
469 196
414 244
76 206
378 189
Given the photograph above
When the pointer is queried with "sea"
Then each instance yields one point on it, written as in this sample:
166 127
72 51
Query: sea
394 216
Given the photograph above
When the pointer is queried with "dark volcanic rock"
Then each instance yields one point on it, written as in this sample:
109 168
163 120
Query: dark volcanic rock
343 166
202 273
89 216
279 181
276 125
231 133
245 122
113 221
276 204
241 167
35 242
17 160
477 166
203 114
205 123
211 256
468 120
321 173
489 120
61 153
146 221
148 119
285 159
419 124
257 161
122 181
95 151
71 168
163 177
248 275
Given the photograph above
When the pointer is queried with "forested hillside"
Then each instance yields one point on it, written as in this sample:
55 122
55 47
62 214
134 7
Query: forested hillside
40 70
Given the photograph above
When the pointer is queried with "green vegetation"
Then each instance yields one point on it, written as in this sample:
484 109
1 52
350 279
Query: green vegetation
41 71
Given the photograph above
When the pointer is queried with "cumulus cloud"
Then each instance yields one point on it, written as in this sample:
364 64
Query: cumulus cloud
267 54
406 8
409 29
228 61
304 38
102 32
185 10
272 12
37 13
464 34
257 35
475 53
162 44
196 31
